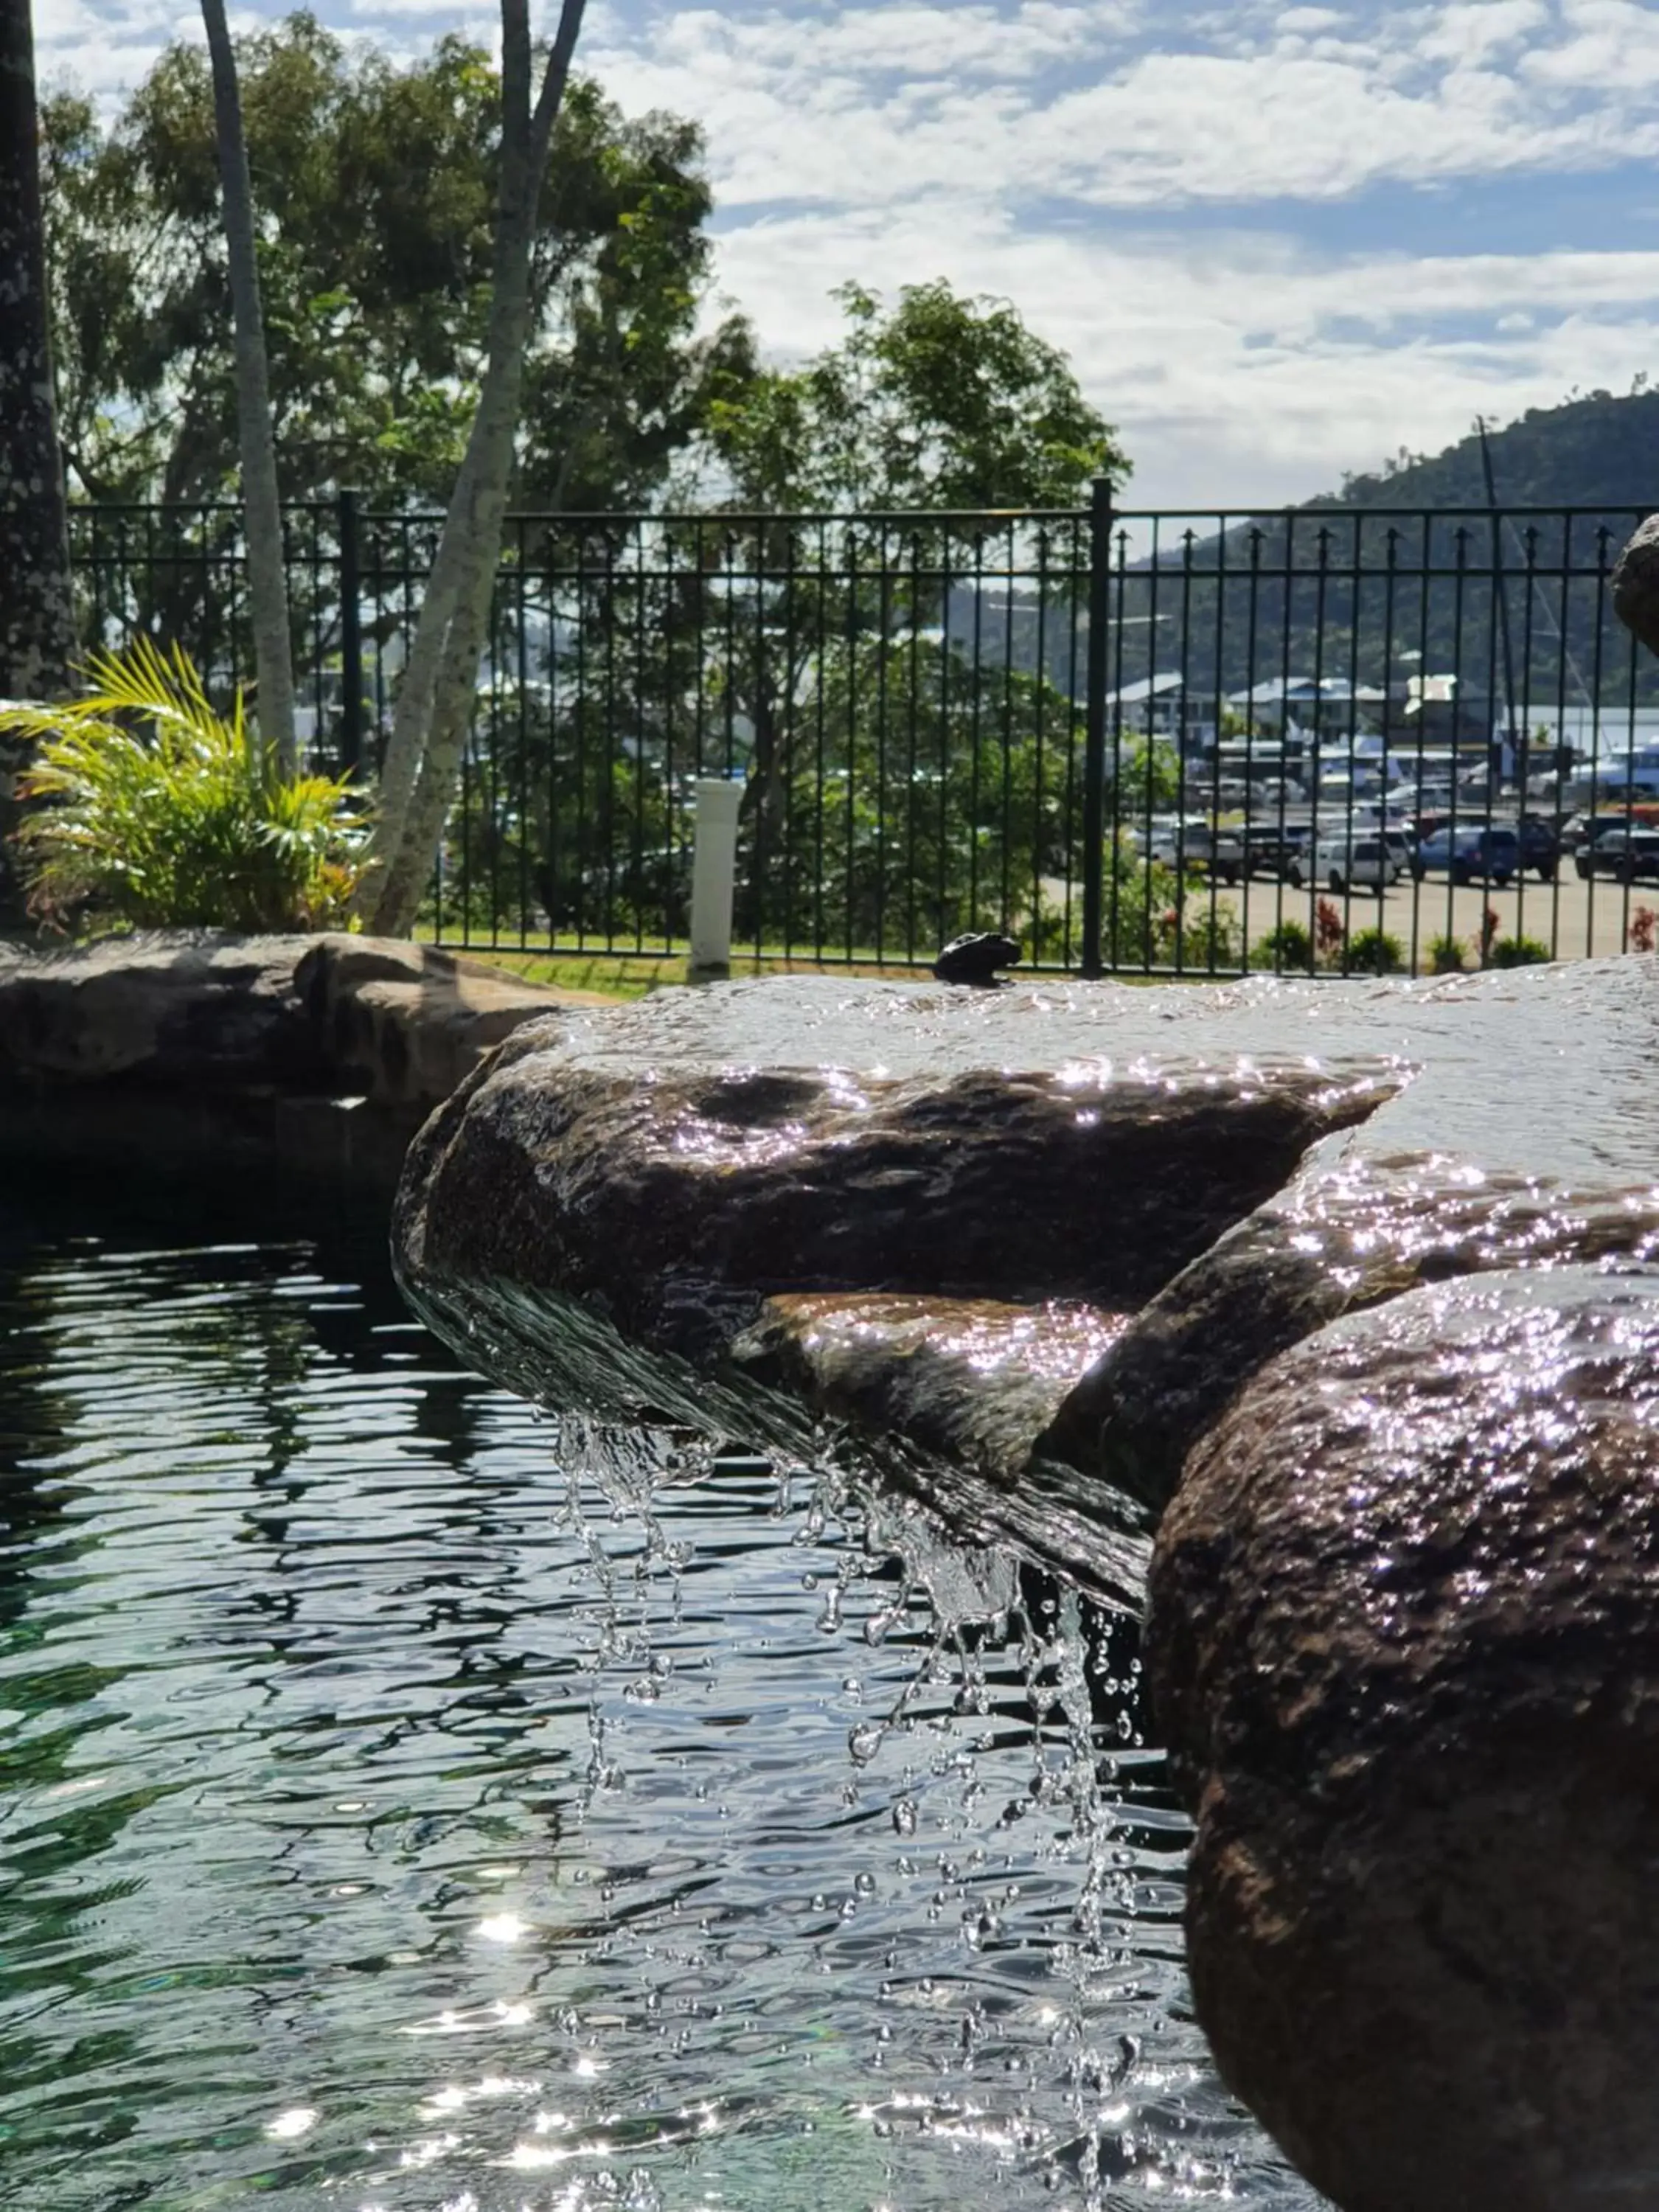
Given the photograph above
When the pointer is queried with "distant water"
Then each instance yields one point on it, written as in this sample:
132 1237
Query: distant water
411 1807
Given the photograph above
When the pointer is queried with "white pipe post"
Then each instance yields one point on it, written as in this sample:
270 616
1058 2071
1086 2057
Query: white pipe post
714 875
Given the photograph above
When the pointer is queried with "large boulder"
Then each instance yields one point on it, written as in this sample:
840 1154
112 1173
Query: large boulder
1404 1643
1522 1135
923 1211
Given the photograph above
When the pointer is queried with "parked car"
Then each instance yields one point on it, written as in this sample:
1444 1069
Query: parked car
1343 865
1190 844
1623 851
1271 847
1469 856
1541 846
1582 829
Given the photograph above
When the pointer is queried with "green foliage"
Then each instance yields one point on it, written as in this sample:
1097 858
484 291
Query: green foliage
156 811
1146 779
1287 947
936 401
1447 956
375 184
1518 952
943 817
1375 952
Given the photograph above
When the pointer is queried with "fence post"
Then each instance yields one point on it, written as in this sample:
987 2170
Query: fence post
1094 740
351 638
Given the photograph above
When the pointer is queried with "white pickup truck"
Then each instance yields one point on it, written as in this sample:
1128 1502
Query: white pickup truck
1366 861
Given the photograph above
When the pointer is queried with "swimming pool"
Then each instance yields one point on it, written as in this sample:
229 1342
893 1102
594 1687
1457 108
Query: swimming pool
413 1805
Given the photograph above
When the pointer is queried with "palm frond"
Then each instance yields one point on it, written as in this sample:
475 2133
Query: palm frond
155 808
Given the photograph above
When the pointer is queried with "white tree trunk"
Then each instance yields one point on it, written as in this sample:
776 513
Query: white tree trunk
267 574
37 624
37 604
434 699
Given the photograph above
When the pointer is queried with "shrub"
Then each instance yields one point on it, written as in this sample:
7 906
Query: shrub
1518 952
1204 938
1643 929
1375 952
1447 956
1290 946
158 811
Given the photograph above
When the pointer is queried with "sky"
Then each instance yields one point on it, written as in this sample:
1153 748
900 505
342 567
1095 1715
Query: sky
1279 243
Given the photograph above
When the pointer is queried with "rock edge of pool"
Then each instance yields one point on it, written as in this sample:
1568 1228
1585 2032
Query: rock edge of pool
1356 1280
1319 1318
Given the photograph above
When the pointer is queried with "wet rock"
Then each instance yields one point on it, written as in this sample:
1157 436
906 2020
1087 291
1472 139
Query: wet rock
176 1047
977 958
1636 584
641 1170
399 1023
1404 1642
950 1396
1245 1163
970 1380
1520 1139
173 1010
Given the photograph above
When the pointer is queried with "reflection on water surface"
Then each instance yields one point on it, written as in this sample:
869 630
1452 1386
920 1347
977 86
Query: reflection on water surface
409 1805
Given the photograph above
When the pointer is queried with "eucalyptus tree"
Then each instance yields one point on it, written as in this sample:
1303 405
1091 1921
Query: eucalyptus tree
436 698
909 760
36 631
37 620
376 178
273 655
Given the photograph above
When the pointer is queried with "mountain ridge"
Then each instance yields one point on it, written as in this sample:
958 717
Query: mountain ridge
1595 450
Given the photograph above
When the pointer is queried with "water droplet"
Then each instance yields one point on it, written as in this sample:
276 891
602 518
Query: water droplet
865 1741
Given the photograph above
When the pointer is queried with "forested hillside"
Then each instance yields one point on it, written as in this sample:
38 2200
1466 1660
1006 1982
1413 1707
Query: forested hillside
1406 571
1599 452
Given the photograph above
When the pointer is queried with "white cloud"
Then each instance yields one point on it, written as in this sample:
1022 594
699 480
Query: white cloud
1472 31
1608 47
852 105
1239 368
1020 146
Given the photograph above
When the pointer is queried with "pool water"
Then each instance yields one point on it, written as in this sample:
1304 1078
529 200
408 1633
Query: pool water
413 1805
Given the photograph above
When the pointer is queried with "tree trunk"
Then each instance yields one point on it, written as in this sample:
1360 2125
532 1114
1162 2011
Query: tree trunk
37 607
267 574
434 699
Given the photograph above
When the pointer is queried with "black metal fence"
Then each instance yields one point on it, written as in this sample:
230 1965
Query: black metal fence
1334 738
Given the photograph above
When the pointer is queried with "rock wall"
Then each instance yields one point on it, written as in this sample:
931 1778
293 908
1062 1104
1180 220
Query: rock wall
324 1054
1353 1284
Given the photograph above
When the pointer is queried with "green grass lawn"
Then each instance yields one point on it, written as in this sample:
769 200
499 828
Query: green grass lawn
632 977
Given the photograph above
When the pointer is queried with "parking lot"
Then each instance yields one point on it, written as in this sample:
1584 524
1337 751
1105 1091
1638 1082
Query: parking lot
1576 918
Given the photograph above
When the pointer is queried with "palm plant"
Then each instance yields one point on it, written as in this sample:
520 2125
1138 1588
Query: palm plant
157 810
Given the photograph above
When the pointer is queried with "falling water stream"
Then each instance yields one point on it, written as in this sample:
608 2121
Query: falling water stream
412 1804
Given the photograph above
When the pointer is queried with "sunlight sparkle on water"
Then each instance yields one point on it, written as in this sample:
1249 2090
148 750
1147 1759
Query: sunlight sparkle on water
298 2120
503 1928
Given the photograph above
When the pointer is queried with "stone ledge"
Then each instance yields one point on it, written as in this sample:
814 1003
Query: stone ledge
324 1051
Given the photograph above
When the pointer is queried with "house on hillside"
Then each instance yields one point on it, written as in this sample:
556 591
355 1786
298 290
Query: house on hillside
1168 705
